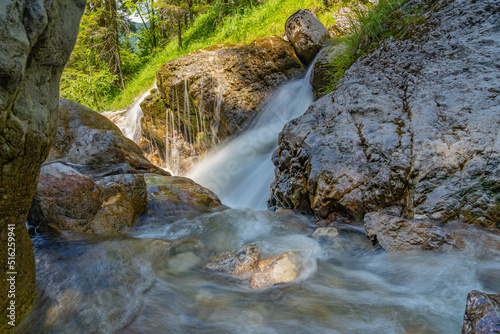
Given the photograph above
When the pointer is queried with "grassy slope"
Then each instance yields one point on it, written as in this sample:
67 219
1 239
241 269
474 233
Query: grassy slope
265 19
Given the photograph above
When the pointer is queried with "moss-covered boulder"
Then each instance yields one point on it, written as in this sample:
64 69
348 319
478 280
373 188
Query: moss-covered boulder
210 94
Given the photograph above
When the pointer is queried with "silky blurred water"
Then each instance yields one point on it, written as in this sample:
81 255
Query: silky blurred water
152 280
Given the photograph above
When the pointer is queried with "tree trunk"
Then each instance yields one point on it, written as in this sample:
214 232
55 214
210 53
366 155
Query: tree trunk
179 32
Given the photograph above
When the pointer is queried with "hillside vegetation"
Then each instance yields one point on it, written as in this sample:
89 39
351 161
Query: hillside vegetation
94 84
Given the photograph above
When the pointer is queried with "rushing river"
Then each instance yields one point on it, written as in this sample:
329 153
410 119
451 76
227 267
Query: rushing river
152 280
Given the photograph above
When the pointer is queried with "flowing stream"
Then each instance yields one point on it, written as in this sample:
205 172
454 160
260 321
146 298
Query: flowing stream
151 279
240 171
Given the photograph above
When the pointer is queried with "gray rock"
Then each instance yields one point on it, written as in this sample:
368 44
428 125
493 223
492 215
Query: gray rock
87 138
306 33
37 40
413 125
482 313
241 263
397 234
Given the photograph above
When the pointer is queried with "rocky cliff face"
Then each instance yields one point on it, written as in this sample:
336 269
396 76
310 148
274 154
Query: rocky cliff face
37 40
210 94
411 129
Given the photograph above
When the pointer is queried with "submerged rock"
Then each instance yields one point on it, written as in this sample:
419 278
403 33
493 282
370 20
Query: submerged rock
240 263
175 197
328 232
397 234
37 39
306 33
210 94
413 125
482 313
283 268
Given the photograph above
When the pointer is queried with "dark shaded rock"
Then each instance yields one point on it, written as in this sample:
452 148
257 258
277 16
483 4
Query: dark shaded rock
37 40
398 234
412 125
210 94
306 33
321 76
482 313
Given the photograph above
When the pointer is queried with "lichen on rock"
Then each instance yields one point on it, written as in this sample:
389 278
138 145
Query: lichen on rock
412 125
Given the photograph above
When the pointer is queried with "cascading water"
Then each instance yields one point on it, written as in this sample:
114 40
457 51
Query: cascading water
151 279
241 170
129 120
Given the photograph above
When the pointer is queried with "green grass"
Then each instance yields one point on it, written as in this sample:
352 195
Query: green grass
250 23
385 20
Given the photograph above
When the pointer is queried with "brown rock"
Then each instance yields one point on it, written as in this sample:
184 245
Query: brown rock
178 197
283 268
224 84
240 263
482 313
67 200
398 234
37 40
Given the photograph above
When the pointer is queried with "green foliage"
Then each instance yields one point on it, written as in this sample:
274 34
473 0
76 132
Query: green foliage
384 20
243 26
86 81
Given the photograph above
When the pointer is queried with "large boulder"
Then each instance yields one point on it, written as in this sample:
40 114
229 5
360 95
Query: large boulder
97 181
306 33
210 94
87 138
482 313
414 126
397 234
67 200
37 40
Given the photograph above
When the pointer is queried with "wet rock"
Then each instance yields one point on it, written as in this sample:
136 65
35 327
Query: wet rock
175 197
405 127
306 33
398 234
210 94
328 232
321 76
37 40
482 313
283 268
240 263
67 200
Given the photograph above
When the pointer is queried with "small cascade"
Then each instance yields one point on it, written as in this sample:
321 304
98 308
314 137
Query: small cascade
189 129
129 120
241 170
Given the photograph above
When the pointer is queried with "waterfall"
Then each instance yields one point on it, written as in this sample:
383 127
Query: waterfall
240 171
129 120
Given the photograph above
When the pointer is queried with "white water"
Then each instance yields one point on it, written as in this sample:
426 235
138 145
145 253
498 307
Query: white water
129 120
240 171
150 279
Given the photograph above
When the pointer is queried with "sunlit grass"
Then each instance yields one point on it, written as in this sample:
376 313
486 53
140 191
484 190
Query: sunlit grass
250 23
